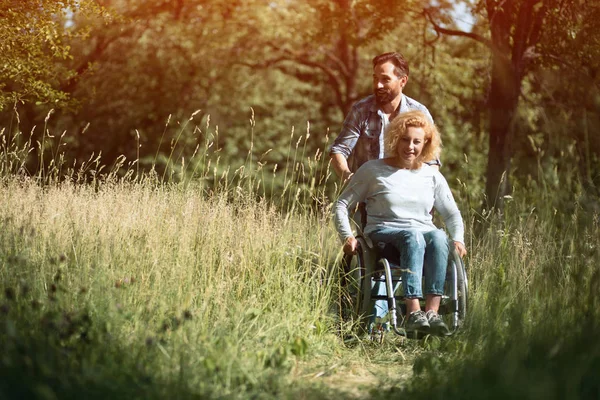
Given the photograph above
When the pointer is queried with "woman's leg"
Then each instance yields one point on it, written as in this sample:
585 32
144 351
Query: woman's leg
411 245
432 302
412 305
436 263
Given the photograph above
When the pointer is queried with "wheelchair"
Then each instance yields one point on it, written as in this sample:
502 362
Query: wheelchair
372 275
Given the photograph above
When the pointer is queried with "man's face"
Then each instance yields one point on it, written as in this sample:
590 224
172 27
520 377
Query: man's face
386 84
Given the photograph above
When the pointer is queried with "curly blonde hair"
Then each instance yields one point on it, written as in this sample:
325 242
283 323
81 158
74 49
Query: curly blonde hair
399 126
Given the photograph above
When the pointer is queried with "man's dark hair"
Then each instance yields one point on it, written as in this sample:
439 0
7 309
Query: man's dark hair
400 63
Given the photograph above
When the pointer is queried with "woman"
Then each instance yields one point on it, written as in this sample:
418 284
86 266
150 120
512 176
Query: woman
400 191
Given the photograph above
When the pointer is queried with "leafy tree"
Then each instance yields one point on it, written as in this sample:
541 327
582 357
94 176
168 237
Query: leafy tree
321 42
563 98
157 61
35 37
514 37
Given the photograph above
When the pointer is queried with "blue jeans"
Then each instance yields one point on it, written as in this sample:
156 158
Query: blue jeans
418 251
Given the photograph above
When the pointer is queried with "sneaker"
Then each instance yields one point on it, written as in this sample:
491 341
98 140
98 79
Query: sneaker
436 324
417 322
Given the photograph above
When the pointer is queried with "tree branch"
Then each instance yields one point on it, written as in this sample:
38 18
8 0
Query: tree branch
536 28
521 33
343 68
527 34
455 32
298 58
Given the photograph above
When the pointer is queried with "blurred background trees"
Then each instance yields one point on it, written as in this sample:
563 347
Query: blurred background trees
512 85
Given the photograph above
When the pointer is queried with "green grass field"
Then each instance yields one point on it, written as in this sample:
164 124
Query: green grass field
125 287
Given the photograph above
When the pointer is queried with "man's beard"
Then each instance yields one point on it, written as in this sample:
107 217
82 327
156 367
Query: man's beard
383 96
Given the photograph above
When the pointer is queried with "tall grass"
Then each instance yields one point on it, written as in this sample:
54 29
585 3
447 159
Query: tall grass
209 284
533 325
233 284
209 281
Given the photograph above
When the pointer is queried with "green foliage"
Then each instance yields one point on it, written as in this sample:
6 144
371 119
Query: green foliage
563 100
36 42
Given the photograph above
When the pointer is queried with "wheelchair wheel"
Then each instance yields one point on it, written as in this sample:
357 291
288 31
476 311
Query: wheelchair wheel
355 288
457 310
463 288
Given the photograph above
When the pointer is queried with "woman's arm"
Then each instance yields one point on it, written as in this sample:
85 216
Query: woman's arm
444 203
341 216
354 193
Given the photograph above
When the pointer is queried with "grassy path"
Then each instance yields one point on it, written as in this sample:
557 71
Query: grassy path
357 379
363 370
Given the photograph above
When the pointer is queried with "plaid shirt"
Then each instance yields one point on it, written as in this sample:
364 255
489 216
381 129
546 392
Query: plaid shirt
361 137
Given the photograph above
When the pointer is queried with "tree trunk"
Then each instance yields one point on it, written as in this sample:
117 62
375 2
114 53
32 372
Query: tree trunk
503 101
507 51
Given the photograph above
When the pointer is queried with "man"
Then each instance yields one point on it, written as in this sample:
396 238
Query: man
361 137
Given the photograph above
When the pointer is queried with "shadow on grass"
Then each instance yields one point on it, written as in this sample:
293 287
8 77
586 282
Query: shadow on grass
47 352
558 358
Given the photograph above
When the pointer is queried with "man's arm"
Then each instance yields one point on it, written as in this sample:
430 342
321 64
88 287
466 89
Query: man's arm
340 166
344 144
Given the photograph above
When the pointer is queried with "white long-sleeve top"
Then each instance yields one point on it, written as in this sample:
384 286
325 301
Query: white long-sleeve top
400 198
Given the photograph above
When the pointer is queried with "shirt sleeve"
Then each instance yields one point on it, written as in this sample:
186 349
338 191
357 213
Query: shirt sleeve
354 193
444 203
427 114
346 140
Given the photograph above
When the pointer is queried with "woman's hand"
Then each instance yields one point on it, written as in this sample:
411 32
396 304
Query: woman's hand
460 249
350 245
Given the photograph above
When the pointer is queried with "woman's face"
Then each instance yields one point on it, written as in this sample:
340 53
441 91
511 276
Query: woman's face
410 145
